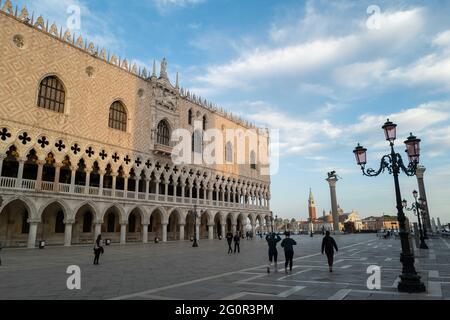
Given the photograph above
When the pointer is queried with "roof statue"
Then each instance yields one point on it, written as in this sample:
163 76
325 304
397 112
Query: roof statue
163 73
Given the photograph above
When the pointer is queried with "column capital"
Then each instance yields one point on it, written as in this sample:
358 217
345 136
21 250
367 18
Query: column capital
332 182
420 172
33 221
69 221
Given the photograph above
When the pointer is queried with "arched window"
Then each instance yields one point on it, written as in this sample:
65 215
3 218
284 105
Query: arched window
51 94
190 117
229 152
163 133
253 160
87 222
197 141
111 222
205 122
59 223
118 116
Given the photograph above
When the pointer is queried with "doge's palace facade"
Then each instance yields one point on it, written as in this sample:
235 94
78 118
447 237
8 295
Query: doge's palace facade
86 148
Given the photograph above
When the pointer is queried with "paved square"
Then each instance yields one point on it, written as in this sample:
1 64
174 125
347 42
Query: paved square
175 270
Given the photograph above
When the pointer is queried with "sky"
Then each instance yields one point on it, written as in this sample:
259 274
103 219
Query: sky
324 74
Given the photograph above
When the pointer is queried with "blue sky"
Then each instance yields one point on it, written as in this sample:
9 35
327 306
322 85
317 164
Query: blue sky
313 70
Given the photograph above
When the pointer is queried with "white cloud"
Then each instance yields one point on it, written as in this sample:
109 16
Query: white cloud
433 69
442 39
163 6
361 74
301 59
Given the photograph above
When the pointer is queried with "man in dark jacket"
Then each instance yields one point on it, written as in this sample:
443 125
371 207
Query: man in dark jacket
229 240
237 242
272 240
329 245
288 245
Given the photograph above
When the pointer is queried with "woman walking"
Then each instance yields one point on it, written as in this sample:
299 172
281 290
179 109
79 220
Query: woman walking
328 246
98 249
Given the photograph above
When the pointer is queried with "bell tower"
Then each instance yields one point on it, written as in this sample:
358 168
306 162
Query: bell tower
312 207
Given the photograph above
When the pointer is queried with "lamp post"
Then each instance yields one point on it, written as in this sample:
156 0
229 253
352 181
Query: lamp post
393 163
194 212
416 209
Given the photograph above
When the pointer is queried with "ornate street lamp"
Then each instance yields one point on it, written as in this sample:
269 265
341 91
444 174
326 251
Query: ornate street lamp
194 213
416 209
393 163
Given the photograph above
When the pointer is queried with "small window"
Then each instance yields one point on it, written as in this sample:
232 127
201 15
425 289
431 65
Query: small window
197 141
51 94
118 116
190 117
229 152
253 160
163 133
205 123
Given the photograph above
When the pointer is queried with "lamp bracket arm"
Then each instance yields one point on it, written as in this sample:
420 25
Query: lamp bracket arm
384 164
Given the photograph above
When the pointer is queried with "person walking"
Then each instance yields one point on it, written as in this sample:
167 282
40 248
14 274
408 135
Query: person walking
98 249
272 240
288 245
328 246
229 240
237 242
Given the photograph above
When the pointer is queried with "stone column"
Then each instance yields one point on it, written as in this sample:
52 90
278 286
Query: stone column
100 189
166 191
210 197
72 179
125 186
157 182
334 207
197 231
136 187
97 230
222 229
181 231
56 181
419 174
145 233
88 181
123 233
211 231
433 226
233 228
147 188
39 175
68 233
183 189
190 192
253 229
164 232
1 163
32 234
20 173
114 178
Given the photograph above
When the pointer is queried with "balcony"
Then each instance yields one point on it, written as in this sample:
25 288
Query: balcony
162 149
13 184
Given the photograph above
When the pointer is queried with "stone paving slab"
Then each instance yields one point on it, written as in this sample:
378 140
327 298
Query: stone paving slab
175 270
